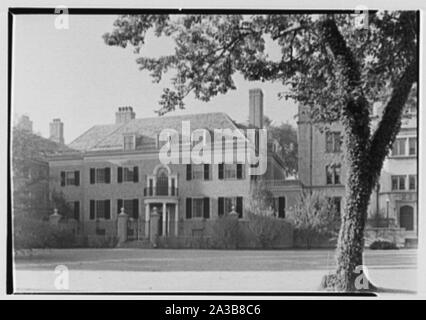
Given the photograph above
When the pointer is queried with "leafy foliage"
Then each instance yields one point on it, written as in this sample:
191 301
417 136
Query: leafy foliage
327 63
314 216
286 135
261 200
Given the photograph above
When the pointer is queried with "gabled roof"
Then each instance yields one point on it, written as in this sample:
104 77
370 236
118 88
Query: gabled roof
110 137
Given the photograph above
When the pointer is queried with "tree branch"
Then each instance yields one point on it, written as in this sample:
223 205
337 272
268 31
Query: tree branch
390 123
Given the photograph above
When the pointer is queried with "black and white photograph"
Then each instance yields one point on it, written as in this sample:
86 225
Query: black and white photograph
215 150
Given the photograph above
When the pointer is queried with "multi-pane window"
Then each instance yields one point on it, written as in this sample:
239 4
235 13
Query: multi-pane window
198 171
398 182
230 171
333 173
100 175
412 182
127 174
398 148
225 205
333 141
197 208
129 142
412 146
70 178
100 209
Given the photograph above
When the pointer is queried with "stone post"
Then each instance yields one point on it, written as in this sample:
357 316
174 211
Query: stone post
55 217
154 225
122 226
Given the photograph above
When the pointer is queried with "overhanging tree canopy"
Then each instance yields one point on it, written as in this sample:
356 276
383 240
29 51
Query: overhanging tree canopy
327 62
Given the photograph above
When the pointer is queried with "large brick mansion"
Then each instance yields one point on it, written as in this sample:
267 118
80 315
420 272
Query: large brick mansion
115 168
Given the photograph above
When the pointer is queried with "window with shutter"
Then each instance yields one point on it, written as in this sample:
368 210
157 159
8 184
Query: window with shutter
239 171
220 175
135 174
119 205
120 174
239 207
206 210
77 210
220 206
281 207
92 175
206 172
107 175
62 178
135 209
92 209
77 178
188 172
107 209
188 208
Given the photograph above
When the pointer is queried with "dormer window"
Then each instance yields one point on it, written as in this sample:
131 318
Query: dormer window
129 142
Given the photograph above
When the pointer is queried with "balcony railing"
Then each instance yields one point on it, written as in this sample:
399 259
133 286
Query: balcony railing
160 191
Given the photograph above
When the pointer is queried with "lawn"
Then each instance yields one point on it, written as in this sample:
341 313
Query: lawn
112 270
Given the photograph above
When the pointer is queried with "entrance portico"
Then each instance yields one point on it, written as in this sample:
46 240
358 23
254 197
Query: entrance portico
161 195
168 210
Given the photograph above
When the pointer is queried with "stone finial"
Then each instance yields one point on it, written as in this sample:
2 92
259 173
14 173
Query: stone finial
122 212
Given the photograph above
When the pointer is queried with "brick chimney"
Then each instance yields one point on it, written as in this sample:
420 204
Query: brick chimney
124 114
256 108
57 131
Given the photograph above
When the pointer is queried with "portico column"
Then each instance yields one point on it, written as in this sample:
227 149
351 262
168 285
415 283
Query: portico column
176 219
147 214
164 219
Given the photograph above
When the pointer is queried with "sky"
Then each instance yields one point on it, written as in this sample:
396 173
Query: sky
73 75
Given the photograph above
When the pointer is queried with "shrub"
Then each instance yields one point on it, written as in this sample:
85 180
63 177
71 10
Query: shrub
382 244
314 217
265 229
30 233
225 233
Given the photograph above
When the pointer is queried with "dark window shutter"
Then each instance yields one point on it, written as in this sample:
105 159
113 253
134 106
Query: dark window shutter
221 171
120 174
239 207
206 172
92 175
119 205
135 174
206 209
239 171
188 208
77 177
62 178
188 172
135 208
92 209
77 210
281 207
107 213
220 206
107 175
